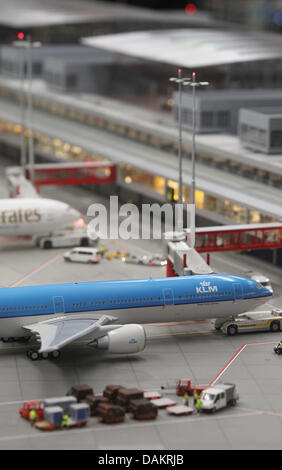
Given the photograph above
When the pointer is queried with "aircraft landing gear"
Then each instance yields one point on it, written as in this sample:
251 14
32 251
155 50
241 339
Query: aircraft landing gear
13 339
35 355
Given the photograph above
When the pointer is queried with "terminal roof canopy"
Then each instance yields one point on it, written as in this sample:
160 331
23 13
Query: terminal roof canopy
192 47
32 13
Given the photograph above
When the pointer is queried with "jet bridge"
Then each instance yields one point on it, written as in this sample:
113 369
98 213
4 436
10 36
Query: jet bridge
181 258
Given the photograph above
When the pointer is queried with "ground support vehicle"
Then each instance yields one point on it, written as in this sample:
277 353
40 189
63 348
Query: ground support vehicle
109 413
219 396
65 238
179 410
267 320
80 391
125 395
164 402
143 409
184 386
154 260
50 412
277 349
83 255
37 406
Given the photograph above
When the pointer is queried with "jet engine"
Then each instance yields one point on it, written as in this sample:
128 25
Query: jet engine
124 340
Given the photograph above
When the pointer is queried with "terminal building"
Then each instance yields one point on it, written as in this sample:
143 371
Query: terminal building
235 182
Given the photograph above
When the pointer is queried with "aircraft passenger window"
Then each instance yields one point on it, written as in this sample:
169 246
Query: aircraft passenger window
121 300
129 300
159 298
104 301
100 302
125 300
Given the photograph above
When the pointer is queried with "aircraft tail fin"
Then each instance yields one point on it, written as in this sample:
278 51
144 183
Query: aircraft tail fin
18 185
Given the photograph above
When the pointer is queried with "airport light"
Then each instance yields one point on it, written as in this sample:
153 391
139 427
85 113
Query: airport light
194 85
181 82
27 45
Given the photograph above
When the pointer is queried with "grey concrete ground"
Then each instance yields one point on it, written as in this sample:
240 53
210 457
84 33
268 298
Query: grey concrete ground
190 349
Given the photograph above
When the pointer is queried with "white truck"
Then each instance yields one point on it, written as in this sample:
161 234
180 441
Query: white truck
219 396
66 238
266 320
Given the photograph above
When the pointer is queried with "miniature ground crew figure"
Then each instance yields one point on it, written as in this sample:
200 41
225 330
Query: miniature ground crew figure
196 396
102 251
280 344
198 405
65 421
32 416
186 399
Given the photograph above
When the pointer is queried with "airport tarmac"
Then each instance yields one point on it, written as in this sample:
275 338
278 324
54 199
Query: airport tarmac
189 349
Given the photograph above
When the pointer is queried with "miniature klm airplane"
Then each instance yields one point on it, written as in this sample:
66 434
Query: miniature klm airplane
110 314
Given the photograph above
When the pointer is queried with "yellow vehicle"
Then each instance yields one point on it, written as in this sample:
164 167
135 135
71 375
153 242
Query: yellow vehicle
269 320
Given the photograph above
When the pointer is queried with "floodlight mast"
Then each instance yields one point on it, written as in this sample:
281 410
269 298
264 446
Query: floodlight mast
28 45
181 82
194 84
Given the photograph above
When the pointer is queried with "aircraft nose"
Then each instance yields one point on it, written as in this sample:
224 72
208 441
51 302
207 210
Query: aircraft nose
73 214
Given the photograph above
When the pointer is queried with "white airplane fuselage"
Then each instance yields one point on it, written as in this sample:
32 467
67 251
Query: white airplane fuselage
33 216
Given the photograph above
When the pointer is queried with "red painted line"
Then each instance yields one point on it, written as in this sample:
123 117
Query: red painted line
228 364
35 270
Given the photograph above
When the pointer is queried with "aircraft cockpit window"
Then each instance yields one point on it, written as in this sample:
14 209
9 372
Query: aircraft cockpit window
259 285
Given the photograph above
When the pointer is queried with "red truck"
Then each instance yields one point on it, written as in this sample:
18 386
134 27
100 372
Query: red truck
37 406
184 385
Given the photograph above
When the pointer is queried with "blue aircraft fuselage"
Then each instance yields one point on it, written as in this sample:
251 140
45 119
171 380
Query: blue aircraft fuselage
132 301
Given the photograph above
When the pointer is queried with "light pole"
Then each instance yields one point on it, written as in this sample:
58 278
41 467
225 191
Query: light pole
194 84
180 81
26 45
22 44
30 46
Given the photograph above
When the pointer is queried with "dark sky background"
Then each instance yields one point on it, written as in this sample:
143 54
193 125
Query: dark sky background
159 4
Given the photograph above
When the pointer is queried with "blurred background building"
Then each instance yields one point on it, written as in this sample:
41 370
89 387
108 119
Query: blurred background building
101 89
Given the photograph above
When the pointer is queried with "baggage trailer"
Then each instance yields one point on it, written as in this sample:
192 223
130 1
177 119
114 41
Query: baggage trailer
164 402
179 410
53 417
94 401
63 402
108 413
125 395
152 395
80 391
143 409
111 392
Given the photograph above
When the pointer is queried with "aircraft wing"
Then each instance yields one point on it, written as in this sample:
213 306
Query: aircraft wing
55 333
